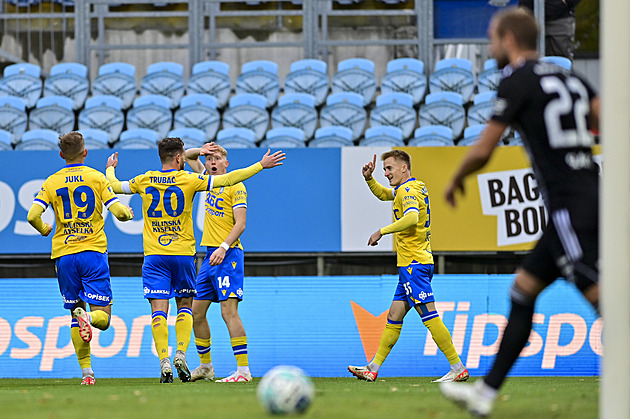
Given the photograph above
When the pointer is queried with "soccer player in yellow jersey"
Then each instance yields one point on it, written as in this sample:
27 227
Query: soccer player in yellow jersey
169 243
220 278
77 194
415 263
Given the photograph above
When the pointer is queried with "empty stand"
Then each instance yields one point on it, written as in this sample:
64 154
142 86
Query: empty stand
199 111
54 113
260 77
22 80
166 79
332 137
116 79
383 136
443 108
394 109
308 76
103 113
151 112
490 77
138 138
39 139
284 137
247 110
236 137
405 75
344 109
6 140
356 75
432 136
192 137
70 80
95 138
13 117
472 134
481 110
212 78
453 75
296 110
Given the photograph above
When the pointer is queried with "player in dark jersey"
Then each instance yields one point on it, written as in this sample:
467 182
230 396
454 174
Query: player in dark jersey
551 108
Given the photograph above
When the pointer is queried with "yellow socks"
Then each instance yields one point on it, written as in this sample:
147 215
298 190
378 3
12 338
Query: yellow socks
239 346
160 333
441 336
388 340
183 328
100 319
80 347
203 348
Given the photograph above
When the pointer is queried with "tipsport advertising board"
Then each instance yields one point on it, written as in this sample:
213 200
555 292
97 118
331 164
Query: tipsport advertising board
321 324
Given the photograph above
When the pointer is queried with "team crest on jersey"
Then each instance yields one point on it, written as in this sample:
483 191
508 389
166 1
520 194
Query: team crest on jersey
407 189
233 265
409 269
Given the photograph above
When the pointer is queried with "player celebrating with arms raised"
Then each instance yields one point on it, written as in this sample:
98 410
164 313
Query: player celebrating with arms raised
415 263
169 242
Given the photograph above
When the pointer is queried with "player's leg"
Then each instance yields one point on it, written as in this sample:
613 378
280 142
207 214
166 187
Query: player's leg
183 279
206 293
97 289
238 338
81 347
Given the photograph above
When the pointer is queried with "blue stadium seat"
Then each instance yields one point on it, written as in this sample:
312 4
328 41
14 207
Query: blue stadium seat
6 140
260 77
116 79
405 75
22 80
394 109
192 137
138 138
151 112
70 80
563 62
490 77
296 110
13 117
212 78
472 134
383 136
54 113
166 79
443 108
199 111
95 138
432 136
481 110
247 110
39 139
284 137
308 76
453 75
332 137
236 138
103 113
356 75
344 109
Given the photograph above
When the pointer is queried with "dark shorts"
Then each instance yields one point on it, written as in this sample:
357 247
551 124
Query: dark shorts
84 276
564 251
164 277
220 282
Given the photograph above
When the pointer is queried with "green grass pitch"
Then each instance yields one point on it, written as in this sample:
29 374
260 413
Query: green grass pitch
137 398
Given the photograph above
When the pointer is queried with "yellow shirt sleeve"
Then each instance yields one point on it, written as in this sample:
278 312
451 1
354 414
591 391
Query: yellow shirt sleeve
110 172
34 218
408 220
380 191
120 211
236 176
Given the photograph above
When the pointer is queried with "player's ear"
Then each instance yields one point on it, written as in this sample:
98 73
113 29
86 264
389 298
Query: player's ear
84 152
227 163
61 154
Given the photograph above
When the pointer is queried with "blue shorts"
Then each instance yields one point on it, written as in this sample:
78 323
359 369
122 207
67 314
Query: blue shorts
164 277
220 282
84 276
414 284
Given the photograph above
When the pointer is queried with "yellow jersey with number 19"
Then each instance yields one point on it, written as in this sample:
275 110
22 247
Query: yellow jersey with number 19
413 245
77 194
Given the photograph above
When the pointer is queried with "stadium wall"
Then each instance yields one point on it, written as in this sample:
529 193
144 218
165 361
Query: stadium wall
320 324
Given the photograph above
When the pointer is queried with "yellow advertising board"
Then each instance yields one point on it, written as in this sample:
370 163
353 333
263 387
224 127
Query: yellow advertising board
501 210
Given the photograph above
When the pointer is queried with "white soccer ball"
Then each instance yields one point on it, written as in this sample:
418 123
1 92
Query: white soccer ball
285 389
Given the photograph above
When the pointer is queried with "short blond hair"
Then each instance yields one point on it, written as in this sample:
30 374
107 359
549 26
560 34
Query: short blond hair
72 145
222 151
398 155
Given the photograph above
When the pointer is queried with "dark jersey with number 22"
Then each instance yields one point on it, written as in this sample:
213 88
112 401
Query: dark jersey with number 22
549 106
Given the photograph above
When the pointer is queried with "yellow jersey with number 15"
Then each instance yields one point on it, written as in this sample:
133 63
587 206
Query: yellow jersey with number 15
413 245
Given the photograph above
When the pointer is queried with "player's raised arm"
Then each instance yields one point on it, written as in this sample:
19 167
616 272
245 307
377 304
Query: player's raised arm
192 156
379 191
267 162
110 172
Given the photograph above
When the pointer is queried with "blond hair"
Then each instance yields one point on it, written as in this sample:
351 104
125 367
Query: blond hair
71 145
398 155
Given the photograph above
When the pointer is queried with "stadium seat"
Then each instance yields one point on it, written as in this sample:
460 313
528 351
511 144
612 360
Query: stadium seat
332 137
453 75
13 117
284 137
472 134
356 75
443 108
308 76
481 110
344 109
490 77
39 139
212 78
516 139
296 110
563 62
192 137
166 79
236 138
116 79
138 138
103 113
383 136
54 113
70 80
151 112
247 110
432 136
259 77
394 109
95 138
22 80
199 111
405 75
6 139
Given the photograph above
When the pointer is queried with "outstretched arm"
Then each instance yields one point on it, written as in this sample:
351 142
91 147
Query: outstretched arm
110 173
408 220
267 162
379 191
34 218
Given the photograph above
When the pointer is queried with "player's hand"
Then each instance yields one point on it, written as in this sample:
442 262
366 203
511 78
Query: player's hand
272 160
208 148
49 229
112 161
217 256
452 188
374 238
131 211
368 169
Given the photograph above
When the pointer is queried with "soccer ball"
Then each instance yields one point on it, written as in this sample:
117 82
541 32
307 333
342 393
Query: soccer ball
285 389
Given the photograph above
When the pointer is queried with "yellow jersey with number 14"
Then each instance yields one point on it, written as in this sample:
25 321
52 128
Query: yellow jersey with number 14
413 245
